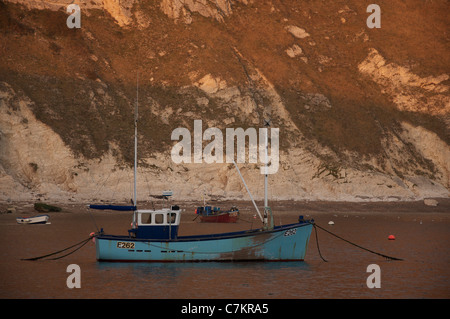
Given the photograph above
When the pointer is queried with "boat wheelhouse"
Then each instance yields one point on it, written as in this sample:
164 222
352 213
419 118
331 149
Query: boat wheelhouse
156 224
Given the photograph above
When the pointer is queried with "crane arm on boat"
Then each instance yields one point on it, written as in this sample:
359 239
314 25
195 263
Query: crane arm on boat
250 194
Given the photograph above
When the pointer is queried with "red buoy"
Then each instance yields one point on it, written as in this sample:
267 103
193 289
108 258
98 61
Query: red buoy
391 237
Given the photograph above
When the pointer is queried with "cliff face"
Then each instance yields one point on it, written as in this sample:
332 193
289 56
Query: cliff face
364 114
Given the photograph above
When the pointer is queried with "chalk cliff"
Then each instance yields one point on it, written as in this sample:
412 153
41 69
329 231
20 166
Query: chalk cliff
364 114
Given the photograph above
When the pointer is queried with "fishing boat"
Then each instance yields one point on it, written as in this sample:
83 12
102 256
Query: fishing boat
153 236
39 219
209 214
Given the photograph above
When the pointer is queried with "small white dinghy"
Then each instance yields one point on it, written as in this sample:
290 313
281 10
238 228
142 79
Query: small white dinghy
39 219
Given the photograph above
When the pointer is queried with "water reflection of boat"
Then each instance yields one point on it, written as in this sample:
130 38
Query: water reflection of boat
210 214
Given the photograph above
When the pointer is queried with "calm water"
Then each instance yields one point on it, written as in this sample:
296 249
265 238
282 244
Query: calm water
422 240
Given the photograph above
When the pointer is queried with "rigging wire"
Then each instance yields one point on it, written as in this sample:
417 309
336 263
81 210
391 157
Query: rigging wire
117 185
93 219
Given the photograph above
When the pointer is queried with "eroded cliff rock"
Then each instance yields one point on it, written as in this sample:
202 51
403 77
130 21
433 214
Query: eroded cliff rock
355 123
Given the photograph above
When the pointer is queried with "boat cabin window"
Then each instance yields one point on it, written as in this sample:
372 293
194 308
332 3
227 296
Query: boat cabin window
171 218
159 218
146 218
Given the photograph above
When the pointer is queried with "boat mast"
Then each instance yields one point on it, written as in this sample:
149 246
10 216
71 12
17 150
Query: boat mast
204 195
267 210
135 139
266 142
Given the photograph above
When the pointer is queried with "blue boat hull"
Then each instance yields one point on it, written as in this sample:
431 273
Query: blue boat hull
283 243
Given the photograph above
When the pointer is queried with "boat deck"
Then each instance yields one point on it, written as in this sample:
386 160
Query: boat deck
208 236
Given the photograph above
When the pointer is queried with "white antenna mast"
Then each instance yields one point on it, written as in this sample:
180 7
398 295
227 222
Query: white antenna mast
267 209
266 177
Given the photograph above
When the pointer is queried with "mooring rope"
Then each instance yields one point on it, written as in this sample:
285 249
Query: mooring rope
82 243
371 251
317 243
85 242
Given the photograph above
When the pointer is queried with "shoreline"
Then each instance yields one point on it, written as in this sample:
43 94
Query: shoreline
442 206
